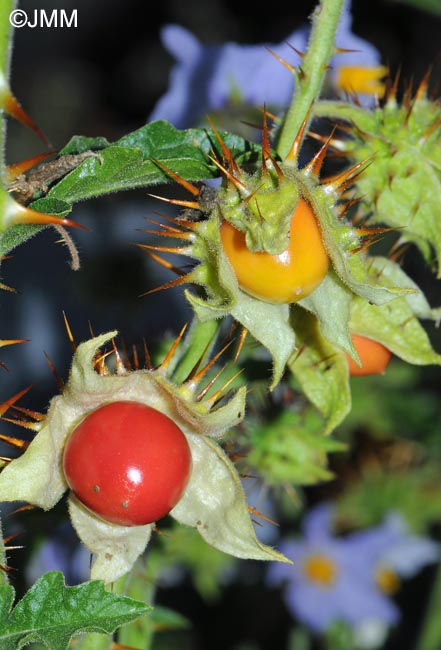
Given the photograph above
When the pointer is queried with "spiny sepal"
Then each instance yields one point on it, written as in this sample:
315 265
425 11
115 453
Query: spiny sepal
224 297
262 209
262 206
403 186
319 366
397 325
320 371
37 476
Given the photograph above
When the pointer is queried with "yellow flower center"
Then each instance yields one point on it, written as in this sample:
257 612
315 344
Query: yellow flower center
355 79
387 580
320 569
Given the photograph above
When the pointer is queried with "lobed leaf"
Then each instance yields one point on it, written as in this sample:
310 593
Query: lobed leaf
52 613
130 161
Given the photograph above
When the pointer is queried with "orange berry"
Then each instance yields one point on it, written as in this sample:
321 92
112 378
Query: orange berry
374 357
289 276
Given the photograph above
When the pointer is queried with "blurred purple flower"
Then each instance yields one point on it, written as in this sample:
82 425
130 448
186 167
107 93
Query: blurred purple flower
210 77
328 581
393 551
207 78
61 552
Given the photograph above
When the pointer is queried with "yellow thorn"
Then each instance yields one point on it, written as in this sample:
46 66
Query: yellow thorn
19 214
293 153
197 378
184 204
173 348
214 398
242 338
186 184
58 380
69 333
4 342
14 442
8 403
15 170
12 107
288 66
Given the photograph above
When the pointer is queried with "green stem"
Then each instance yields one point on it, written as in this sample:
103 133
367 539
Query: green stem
3 574
6 7
342 110
430 637
140 585
309 80
198 341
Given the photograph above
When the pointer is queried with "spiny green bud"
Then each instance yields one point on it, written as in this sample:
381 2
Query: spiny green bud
403 186
292 450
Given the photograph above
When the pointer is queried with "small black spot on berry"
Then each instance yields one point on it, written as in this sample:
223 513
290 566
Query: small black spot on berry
125 504
96 488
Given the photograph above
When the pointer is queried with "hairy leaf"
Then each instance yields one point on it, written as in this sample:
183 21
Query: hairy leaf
52 613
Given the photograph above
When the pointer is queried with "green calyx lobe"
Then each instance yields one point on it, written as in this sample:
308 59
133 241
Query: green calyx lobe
261 207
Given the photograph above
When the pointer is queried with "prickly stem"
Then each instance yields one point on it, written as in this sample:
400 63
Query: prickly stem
199 336
320 50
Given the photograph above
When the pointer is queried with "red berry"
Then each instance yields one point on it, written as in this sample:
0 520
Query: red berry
128 463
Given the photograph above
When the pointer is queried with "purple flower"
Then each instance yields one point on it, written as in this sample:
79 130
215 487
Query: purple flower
331 579
393 551
61 552
206 78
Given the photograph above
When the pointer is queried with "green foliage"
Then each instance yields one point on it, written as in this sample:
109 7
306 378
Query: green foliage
52 613
403 186
413 491
396 402
318 368
130 162
292 449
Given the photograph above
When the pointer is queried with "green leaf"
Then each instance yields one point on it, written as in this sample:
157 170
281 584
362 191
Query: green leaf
80 143
16 235
49 205
52 613
395 324
129 162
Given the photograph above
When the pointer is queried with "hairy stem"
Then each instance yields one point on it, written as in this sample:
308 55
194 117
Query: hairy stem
6 7
309 78
198 342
